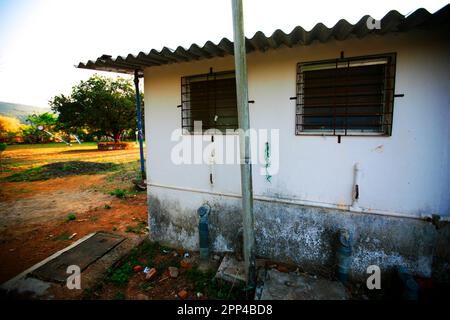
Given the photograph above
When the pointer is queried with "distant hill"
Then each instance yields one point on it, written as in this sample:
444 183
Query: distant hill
20 111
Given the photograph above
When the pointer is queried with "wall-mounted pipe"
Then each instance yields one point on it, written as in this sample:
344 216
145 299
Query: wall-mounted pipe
344 255
203 231
356 186
304 203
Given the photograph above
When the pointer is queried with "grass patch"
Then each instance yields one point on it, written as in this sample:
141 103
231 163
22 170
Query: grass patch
119 193
137 229
62 237
121 274
151 254
84 145
215 288
71 217
107 206
61 169
32 174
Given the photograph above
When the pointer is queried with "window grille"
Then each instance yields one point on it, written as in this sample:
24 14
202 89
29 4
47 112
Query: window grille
348 96
210 98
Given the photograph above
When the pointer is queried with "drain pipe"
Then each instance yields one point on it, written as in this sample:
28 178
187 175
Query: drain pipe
356 188
203 231
344 255
138 109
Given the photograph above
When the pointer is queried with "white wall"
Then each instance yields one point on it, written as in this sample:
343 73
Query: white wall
407 173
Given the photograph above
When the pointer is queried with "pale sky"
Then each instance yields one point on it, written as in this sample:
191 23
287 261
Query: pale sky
42 40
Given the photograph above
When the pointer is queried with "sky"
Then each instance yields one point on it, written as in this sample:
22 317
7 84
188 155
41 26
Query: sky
42 40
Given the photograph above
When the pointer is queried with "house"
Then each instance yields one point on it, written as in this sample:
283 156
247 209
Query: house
352 127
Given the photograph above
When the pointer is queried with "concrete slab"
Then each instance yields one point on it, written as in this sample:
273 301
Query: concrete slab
231 269
81 255
291 286
23 286
20 283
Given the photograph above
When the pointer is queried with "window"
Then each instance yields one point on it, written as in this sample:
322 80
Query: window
210 98
352 96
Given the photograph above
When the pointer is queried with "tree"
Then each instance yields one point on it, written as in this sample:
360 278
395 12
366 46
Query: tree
32 134
46 119
100 104
8 126
2 148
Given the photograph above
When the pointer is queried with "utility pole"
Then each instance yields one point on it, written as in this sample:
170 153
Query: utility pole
244 141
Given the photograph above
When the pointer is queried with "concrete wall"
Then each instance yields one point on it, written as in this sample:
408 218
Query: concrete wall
303 235
404 175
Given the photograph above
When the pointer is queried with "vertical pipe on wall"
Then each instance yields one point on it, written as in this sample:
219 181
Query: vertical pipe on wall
244 141
139 123
356 188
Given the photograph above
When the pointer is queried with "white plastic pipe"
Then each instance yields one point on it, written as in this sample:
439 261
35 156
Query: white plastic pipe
356 186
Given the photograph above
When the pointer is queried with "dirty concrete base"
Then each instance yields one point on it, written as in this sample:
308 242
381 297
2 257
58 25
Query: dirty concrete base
231 270
23 286
276 285
302 235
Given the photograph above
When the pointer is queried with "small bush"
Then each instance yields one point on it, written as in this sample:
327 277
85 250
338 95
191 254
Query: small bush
71 217
215 288
121 275
119 193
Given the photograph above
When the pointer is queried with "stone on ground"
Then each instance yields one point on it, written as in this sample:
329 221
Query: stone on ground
231 269
173 272
182 294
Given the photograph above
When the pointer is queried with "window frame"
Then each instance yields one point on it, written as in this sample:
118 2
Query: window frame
185 98
388 89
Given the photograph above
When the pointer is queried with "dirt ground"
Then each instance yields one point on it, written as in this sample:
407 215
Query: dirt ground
38 218
41 214
127 282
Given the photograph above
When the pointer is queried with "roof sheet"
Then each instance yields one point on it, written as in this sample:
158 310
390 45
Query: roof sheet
391 22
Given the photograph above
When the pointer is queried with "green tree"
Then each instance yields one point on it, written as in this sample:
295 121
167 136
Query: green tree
9 128
2 148
46 120
102 105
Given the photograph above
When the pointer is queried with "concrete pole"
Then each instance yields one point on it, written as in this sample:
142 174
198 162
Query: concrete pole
244 141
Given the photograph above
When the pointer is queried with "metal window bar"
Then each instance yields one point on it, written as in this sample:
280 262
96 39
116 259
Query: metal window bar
350 96
210 98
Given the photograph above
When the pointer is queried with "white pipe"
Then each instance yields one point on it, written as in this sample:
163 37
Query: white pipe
356 186
300 202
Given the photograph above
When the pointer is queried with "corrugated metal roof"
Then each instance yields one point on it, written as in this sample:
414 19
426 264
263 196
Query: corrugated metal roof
391 22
